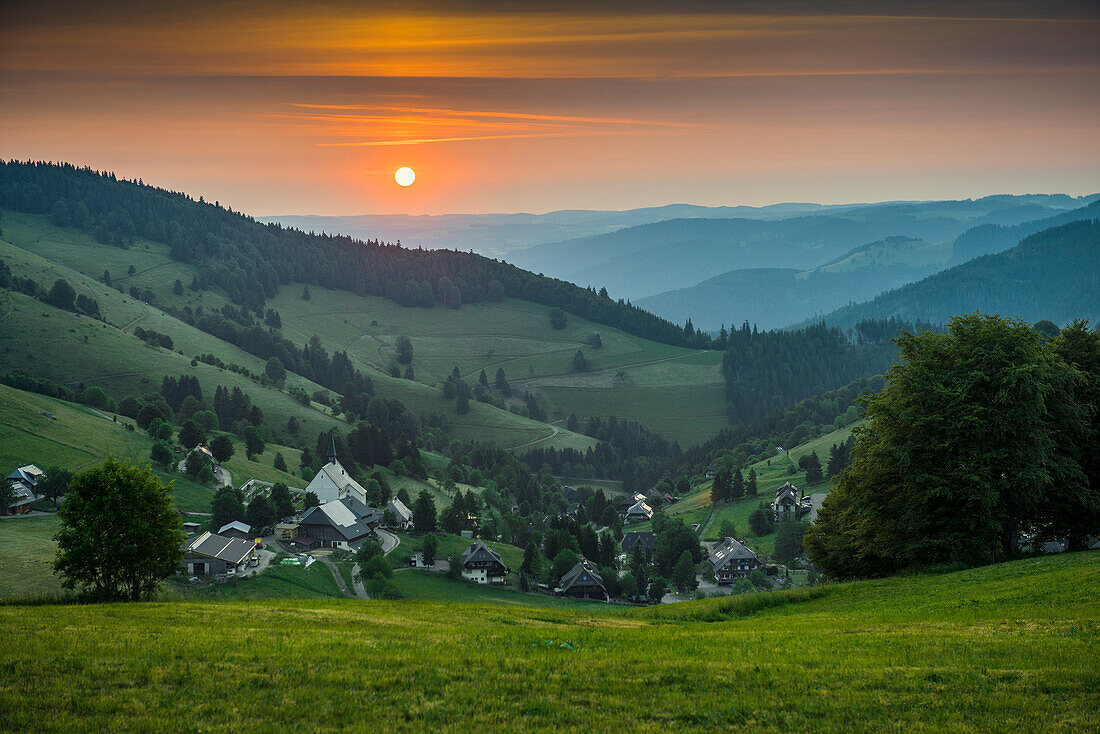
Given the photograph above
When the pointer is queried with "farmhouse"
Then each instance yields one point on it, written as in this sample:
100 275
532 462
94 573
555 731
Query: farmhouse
638 512
216 555
790 504
333 482
24 481
731 560
568 494
236 529
582 582
482 564
636 538
333 524
401 512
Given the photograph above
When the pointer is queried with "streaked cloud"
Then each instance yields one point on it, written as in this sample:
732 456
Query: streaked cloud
308 107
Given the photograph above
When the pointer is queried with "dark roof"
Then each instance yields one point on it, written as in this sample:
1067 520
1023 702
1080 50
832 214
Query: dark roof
568 493
583 574
230 550
478 551
236 525
646 538
730 549
787 488
338 514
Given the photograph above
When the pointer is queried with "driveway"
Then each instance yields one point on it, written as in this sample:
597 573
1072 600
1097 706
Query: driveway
222 477
815 503
266 557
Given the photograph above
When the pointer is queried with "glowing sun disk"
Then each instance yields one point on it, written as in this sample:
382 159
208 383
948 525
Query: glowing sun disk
404 176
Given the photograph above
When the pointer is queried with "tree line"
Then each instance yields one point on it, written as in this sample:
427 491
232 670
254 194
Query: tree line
250 261
981 442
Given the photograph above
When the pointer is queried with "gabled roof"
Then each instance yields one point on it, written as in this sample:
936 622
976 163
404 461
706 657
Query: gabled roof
339 476
634 537
403 513
338 515
584 574
230 550
787 488
236 525
29 474
640 507
729 550
478 552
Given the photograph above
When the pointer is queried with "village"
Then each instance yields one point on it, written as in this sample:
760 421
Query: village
334 519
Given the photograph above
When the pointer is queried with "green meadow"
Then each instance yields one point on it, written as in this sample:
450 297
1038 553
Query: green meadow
677 392
1010 647
771 474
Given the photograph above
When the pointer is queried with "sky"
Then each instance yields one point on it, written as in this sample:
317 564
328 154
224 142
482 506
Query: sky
309 108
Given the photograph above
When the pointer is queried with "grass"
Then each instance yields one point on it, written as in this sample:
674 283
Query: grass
771 474
682 398
1008 647
420 585
77 437
124 365
277 582
27 552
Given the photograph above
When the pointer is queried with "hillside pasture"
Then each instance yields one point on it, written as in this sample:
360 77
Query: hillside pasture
1008 647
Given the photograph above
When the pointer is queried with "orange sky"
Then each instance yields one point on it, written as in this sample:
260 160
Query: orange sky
309 108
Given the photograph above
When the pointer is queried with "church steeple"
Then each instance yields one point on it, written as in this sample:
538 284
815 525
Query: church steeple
332 447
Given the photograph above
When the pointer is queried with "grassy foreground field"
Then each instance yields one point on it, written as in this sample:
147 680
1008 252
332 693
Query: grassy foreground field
1009 647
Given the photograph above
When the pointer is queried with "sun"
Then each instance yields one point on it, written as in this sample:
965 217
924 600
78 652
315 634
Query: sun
404 176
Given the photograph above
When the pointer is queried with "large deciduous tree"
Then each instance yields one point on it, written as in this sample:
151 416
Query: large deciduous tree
120 533
972 441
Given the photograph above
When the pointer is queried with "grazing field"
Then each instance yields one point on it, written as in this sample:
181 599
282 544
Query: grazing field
771 474
277 582
27 552
122 364
1000 648
43 431
683 401
420 585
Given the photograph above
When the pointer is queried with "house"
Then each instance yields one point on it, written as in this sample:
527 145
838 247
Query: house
333 525
216 555
482 564
732 560
568 494
24 481
236 529
629 502
191 528
401 512
668 499
711 472
333 482
582 582
790 504
638 512
638 538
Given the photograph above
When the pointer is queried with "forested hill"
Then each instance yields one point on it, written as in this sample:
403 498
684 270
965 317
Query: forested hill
251 261
1054 275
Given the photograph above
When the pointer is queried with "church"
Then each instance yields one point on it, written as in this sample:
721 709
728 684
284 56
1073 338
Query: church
334 483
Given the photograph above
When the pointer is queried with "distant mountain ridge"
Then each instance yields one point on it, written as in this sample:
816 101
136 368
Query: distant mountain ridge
498 234
652 258
1053 274
773 298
